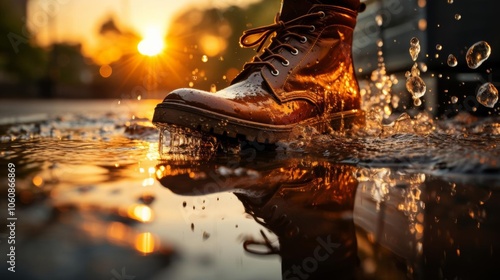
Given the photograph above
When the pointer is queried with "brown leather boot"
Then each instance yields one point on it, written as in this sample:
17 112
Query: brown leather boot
305 76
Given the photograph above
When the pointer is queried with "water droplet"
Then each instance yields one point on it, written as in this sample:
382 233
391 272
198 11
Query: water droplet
458 16
454 99
439 47
213 88
450 1
416 86
487 95
414 48
204 58
452 61
379 20
206 235
380 43
477 54
417 102
414 41
415 71
395 101
191 84
423 67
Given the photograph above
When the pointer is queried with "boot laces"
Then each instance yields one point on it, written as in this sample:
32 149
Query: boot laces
280 33
267 248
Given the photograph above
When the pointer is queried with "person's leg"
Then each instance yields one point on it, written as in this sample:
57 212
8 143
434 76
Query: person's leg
304 76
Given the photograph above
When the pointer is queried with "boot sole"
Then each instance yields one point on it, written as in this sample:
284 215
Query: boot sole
222 125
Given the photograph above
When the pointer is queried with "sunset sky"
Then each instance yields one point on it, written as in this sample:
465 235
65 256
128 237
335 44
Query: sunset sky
79 20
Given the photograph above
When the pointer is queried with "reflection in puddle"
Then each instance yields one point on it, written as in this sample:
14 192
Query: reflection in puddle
329 219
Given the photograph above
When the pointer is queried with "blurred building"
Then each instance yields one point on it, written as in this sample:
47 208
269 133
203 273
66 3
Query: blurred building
20 7
21 63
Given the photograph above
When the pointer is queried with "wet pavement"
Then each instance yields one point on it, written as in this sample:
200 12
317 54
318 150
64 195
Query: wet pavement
94 199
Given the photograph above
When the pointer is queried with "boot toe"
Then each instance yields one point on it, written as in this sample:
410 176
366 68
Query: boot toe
182 95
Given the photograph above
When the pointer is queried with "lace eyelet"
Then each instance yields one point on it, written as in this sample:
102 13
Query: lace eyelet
321 14
303 40
313 28
285 63
295 52
275 72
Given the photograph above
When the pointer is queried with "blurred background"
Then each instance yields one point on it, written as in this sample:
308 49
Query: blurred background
131 49
122 48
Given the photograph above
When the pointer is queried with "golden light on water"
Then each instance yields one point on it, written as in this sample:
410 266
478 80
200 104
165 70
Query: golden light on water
145 243
152 44
117 232
37 181
140 213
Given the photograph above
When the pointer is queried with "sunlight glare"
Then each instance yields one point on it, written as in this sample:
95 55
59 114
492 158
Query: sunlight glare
152 43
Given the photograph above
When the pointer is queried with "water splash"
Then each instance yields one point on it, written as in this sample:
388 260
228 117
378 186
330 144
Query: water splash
377 98
185 144
477 54
487 95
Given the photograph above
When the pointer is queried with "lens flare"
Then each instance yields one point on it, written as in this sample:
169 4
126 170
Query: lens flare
152 44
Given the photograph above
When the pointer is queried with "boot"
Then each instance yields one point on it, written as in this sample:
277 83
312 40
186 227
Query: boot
305 76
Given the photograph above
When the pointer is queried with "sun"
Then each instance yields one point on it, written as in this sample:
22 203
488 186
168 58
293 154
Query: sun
152 44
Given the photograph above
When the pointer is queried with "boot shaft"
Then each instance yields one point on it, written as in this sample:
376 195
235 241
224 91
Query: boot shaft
291 9
310 58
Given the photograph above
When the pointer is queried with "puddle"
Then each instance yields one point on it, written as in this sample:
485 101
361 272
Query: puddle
416 198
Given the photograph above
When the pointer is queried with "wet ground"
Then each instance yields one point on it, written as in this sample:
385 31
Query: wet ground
94 199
